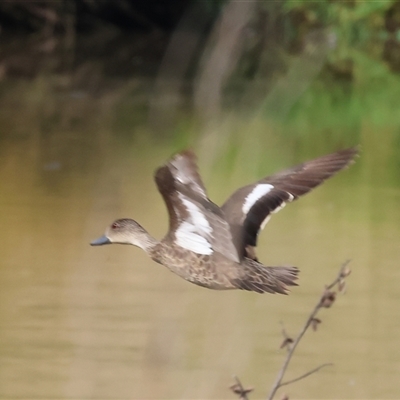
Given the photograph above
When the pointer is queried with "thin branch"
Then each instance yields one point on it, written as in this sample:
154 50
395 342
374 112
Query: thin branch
343 273
305 375
326 300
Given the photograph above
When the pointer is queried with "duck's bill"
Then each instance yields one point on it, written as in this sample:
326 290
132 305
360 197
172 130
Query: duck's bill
100 241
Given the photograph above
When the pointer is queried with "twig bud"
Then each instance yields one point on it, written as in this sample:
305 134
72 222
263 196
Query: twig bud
286 343
238 389
314 323
328 299
342 286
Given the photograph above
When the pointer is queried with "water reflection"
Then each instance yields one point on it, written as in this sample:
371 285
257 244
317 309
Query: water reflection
78 322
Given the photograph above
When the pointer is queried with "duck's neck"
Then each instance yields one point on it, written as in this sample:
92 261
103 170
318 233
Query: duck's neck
146 242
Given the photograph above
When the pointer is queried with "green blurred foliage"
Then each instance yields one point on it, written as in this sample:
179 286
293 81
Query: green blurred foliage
352 19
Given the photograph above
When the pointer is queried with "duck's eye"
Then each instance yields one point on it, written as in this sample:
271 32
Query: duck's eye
115 225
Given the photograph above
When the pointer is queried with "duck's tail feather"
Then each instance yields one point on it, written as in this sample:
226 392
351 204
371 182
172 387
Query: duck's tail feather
256 277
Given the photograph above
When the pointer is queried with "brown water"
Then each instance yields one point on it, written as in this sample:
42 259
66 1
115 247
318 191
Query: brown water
81 322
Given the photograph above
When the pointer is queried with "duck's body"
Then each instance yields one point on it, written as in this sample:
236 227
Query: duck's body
217 272
215 247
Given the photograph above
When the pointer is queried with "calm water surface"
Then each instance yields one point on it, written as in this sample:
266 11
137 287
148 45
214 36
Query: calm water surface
83 322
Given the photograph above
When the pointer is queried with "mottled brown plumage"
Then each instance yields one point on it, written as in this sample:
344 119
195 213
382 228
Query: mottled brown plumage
215 247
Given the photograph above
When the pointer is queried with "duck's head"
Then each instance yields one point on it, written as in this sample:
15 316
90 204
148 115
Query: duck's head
125 231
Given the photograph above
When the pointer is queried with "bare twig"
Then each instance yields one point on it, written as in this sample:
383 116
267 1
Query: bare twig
287 340
299 378
238 389
326 300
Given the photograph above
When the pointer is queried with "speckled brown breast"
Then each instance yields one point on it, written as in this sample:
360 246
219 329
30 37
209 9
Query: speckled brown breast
211 271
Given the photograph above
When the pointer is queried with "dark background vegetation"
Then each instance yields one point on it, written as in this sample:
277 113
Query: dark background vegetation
130 36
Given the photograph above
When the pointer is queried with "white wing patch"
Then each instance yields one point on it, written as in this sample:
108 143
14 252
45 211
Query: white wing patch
259 191
196 217
194 233
188 238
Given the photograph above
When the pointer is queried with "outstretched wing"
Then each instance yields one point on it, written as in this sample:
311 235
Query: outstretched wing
250 207
195 222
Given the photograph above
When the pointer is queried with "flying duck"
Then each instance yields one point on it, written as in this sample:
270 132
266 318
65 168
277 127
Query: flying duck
214 246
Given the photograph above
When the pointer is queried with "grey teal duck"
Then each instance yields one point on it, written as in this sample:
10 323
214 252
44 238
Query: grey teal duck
214 246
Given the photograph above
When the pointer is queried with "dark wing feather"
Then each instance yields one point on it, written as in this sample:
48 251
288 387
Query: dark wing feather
284 187
183 167
167 187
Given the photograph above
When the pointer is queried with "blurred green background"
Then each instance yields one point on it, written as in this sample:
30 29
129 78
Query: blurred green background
94 95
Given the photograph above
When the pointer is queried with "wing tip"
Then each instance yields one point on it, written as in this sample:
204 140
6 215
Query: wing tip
187 153
351 153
